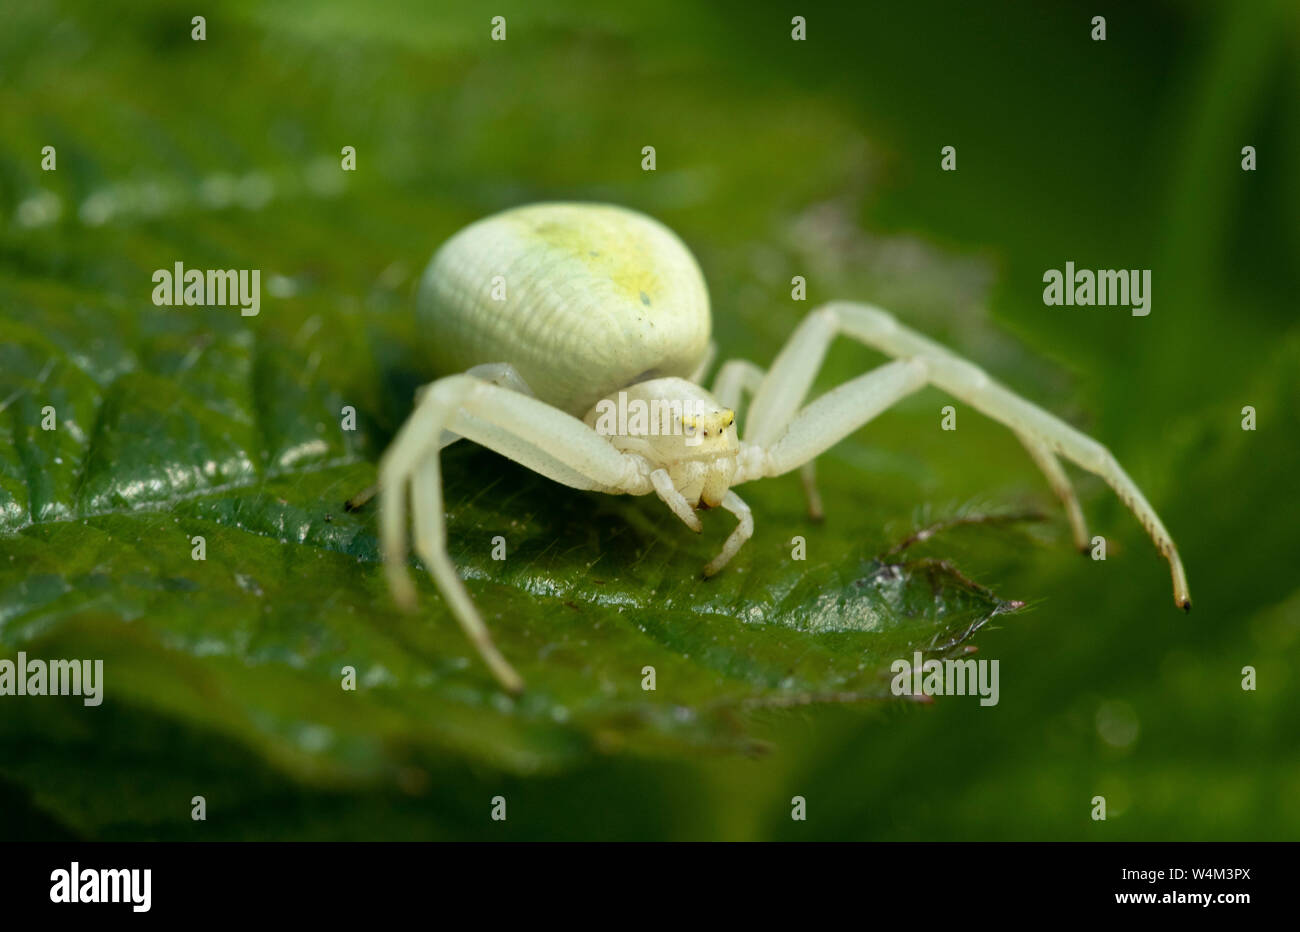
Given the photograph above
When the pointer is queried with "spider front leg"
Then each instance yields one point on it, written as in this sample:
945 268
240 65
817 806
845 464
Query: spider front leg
678 505
744 530
792 373
832 417
544 439
675 500
735 379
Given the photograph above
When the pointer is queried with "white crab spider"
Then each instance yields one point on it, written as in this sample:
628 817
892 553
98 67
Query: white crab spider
546 310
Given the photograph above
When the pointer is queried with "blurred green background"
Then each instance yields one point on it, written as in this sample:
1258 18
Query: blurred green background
774 158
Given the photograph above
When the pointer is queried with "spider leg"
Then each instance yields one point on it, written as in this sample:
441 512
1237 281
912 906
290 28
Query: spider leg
703 368
524 429
792 373
735 379
498 373
675 500
808 474
1047 462
811 349
501 374
839 412
431 545
744 530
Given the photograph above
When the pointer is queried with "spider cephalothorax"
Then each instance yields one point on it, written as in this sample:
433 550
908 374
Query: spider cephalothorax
677 426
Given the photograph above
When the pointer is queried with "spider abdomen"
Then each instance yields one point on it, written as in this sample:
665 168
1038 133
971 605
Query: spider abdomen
581 299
